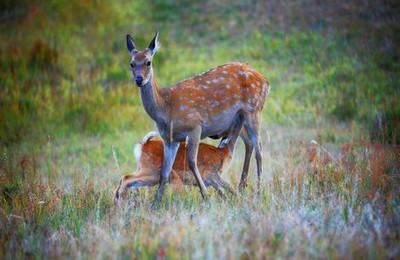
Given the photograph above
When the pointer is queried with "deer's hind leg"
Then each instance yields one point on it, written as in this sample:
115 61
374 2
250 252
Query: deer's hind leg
252 126
248 153
124 183
135 180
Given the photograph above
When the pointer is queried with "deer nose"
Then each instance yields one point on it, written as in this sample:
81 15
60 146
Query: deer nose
139 80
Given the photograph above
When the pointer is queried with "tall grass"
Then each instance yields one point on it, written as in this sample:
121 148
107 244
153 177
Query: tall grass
316 201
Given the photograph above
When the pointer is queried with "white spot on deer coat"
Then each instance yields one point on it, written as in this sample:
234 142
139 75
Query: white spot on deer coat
225 100
249 107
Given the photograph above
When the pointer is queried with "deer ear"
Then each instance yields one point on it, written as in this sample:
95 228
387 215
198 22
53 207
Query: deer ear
154 44
130 44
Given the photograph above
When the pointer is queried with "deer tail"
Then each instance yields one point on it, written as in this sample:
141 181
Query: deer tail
149 136
137 150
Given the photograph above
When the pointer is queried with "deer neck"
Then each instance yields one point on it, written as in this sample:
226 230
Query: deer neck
152 101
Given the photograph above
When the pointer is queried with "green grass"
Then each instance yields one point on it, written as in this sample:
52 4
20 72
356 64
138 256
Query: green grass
340 204
70 116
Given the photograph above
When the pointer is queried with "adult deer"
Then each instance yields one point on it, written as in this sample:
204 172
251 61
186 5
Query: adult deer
208 105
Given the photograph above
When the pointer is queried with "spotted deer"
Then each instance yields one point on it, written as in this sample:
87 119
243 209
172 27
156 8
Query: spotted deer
206 105
212 162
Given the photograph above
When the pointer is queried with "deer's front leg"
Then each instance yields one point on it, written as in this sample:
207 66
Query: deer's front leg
193 145
170 150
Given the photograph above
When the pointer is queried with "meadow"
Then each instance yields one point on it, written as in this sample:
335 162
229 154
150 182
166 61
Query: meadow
70 116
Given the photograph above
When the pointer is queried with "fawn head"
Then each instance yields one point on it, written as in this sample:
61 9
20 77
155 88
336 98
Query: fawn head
141 61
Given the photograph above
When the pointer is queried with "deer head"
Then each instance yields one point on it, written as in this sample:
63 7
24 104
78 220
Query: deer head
141 61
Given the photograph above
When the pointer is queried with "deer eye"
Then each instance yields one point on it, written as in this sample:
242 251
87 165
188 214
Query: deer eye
133 65
148 63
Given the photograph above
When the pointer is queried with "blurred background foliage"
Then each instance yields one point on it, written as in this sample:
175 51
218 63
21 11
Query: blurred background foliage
64 64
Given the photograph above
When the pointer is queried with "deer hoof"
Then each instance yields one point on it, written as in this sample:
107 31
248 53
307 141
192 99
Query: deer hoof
156 204
242 186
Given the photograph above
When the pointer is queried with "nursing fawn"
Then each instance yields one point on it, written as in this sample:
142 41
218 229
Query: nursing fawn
212 162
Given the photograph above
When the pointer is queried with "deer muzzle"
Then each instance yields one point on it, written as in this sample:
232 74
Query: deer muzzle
139 80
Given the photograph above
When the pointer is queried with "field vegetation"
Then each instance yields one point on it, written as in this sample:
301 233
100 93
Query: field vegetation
70 116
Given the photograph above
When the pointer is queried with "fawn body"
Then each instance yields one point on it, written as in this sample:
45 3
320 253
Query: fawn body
208 105
212 161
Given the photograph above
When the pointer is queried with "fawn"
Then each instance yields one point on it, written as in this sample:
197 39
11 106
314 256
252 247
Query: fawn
208 105
212 161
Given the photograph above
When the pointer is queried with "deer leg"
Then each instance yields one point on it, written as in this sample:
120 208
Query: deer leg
192 148
221 183
133 181
170 150
231 140
248 152
123 184
253 128
228 187
215 184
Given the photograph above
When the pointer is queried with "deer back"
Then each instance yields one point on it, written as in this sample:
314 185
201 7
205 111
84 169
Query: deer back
221 91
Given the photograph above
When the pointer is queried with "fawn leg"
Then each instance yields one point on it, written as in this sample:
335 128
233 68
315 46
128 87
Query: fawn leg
228 186
219 189
224 184
135 180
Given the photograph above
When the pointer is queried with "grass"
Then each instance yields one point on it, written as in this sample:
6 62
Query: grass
331 201
70 116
